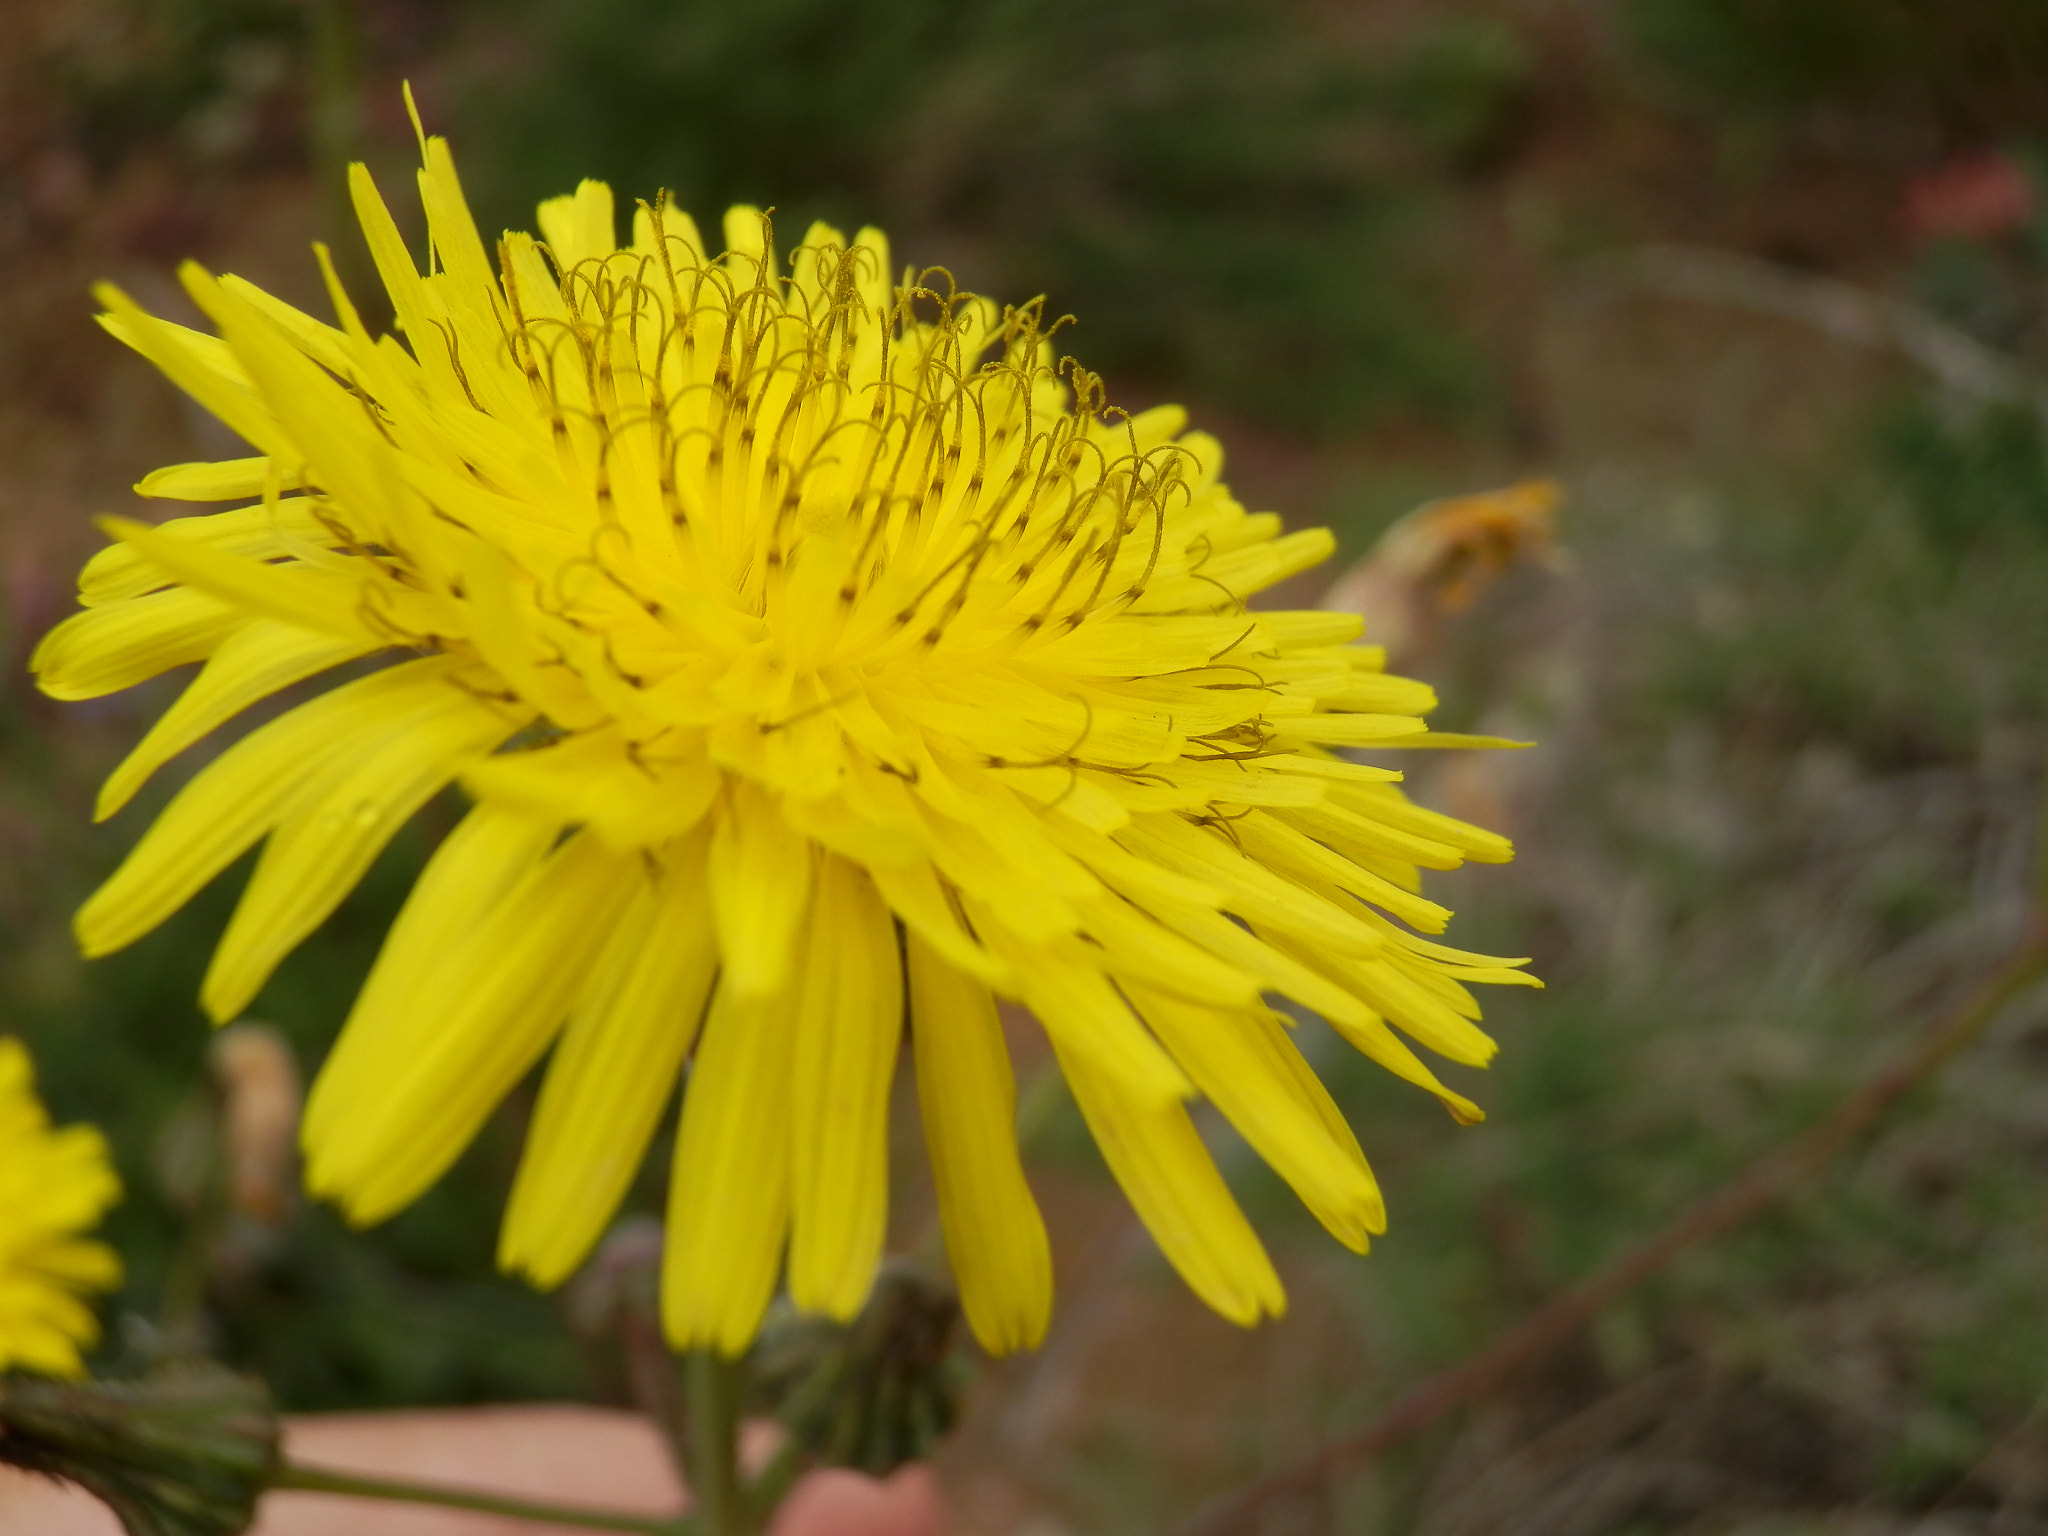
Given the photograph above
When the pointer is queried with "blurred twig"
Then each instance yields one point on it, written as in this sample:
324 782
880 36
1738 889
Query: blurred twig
348 1484
1842 310
1746 1196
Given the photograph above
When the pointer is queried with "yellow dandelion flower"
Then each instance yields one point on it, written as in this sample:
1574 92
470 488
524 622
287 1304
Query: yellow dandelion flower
817 652
53 1186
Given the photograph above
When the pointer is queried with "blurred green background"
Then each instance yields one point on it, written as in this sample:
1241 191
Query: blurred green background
1791 687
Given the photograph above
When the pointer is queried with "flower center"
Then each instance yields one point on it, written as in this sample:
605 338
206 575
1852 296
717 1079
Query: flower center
826 506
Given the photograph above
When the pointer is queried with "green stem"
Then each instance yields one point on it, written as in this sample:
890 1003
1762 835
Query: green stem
713 1386
349 1485
773 1483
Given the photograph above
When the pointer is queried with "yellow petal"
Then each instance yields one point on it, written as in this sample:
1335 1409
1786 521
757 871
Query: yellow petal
1304 628
1158 1158
328 426
760 875
1130 646
1252 891
1383 693
104 650
1428 1018
1276 971
580 226
1376 834
242 794
593 777
449 222
1368 1032
225 480
479 1021
1080 1008
915 895
1388 806
251 664
291 592
510 648
85 1264
1246 571
1291 852
1245 1064
612 1074
1137 948
486 856
47 1348
995 1236
282 527
1338 730
325 844
415 309
849 1021
686 247
323 343
728 1207
189 361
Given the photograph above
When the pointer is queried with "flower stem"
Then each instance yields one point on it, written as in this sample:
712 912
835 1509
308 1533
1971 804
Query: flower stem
773 1482
712 1383
350 1485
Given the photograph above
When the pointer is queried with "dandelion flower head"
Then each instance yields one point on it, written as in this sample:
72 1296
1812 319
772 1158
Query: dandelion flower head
817 651
54 1186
